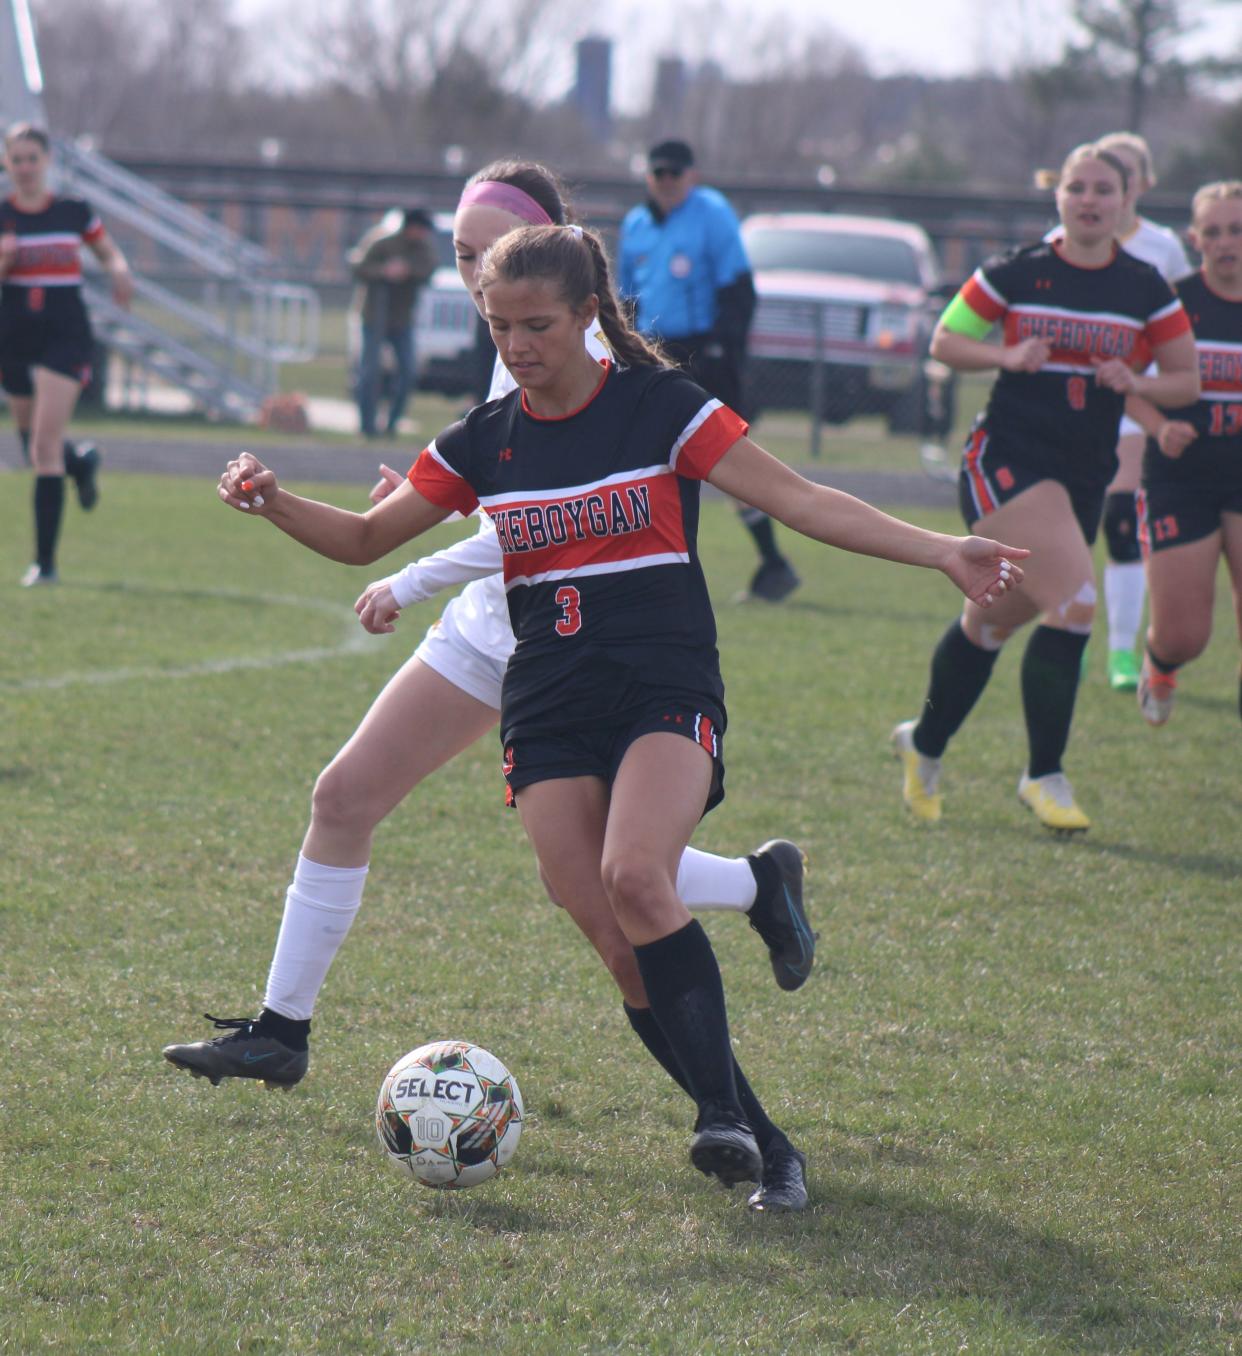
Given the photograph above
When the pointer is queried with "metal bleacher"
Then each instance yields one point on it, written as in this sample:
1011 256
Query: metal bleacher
218 322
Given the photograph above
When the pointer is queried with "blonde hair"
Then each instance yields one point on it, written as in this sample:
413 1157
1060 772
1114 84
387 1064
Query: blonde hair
575 261
1214 192
1089 150
1137 146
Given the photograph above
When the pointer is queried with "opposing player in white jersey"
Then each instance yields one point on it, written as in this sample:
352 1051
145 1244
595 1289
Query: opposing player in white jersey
1124 584
443 699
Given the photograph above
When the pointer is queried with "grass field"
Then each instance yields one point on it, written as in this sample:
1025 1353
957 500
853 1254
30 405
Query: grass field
1014 1070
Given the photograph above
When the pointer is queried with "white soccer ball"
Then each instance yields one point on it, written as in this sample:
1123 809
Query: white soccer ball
449 1114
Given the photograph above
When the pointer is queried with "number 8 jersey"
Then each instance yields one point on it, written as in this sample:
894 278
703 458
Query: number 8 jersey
597 515
1060 418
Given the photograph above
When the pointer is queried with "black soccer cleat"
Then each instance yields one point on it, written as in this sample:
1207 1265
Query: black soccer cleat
783 1184
778 916
773 581
727 1149
86 475
245 1053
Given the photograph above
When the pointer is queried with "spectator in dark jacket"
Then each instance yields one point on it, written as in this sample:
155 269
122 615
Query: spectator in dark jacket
390 268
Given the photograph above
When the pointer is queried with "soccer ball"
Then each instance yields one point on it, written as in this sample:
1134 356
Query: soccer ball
449 1114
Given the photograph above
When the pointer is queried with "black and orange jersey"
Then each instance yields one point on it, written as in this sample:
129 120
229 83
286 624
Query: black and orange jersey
49 241
1217 414
597 515
1060 415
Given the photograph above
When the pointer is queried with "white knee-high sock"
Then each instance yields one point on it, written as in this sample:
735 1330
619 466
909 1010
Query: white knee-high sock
1125 587
319 907
705 881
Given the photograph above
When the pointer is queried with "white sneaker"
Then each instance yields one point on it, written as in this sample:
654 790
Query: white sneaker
1156 691
1051 798
921 787
34 577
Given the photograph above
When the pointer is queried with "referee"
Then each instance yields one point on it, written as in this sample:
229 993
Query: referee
683 266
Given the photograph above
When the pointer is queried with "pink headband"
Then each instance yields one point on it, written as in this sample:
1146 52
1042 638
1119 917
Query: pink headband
492 193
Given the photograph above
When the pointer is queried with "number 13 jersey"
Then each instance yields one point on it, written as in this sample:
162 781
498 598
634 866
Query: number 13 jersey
597 517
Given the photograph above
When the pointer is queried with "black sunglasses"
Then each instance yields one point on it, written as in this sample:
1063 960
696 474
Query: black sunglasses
666 172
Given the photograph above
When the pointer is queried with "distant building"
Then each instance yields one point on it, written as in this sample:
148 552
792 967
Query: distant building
668 100
592 95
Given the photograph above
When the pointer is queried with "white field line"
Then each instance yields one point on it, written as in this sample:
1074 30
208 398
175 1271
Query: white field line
354 640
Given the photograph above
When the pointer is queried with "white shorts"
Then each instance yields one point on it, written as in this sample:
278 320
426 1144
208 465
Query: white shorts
449 648
1128 426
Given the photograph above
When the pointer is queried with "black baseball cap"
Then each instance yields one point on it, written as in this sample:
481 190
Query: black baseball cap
674 155
417 216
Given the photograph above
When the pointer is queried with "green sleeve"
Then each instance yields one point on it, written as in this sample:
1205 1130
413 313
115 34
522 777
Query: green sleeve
961 318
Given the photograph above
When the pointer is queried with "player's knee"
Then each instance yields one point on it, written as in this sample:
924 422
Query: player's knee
1121 528
1075 613
336 801
635 887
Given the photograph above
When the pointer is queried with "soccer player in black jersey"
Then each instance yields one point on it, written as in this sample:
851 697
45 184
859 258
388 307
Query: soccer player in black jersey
441 700
45 336
1081 320
1190 504
612 713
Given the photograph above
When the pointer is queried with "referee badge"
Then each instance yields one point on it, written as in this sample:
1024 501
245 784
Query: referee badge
680 265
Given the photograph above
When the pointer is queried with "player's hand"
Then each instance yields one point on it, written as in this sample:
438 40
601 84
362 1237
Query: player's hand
8 250
1175 437
395 270
984 570
248 485
377 609
123 288
1028 356
389 480
1114 375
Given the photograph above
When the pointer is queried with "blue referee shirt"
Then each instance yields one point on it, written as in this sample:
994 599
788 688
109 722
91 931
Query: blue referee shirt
673 267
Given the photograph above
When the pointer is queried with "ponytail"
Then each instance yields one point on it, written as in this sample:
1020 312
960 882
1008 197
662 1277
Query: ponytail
630 347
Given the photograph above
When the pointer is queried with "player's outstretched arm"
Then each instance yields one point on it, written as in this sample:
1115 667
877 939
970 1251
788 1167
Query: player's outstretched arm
981 568
351 538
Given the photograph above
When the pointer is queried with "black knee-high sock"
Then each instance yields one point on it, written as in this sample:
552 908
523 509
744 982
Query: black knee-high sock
648 1030
1051 668
683 986
759 525
960 670
49 507
71 457
23 435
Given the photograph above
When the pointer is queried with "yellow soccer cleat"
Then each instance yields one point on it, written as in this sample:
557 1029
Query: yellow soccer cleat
921 788
1051 799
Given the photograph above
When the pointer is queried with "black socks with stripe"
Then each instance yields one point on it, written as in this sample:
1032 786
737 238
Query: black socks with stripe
960 670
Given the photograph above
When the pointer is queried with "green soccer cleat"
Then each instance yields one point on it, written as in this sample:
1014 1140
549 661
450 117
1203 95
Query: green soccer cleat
1123 670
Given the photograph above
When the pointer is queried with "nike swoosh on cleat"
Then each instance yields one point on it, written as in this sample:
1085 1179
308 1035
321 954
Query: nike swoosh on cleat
251 1058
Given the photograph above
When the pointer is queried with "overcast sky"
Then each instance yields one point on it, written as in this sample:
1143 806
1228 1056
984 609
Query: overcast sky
927 37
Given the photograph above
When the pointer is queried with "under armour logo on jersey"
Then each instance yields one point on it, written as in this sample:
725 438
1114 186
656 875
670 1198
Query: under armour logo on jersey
506 454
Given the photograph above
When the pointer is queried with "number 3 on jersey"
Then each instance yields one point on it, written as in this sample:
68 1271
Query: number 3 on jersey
570 620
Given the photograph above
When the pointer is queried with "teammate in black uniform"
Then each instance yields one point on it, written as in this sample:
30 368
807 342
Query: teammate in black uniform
612 715
45 336
1190 504
1081 319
